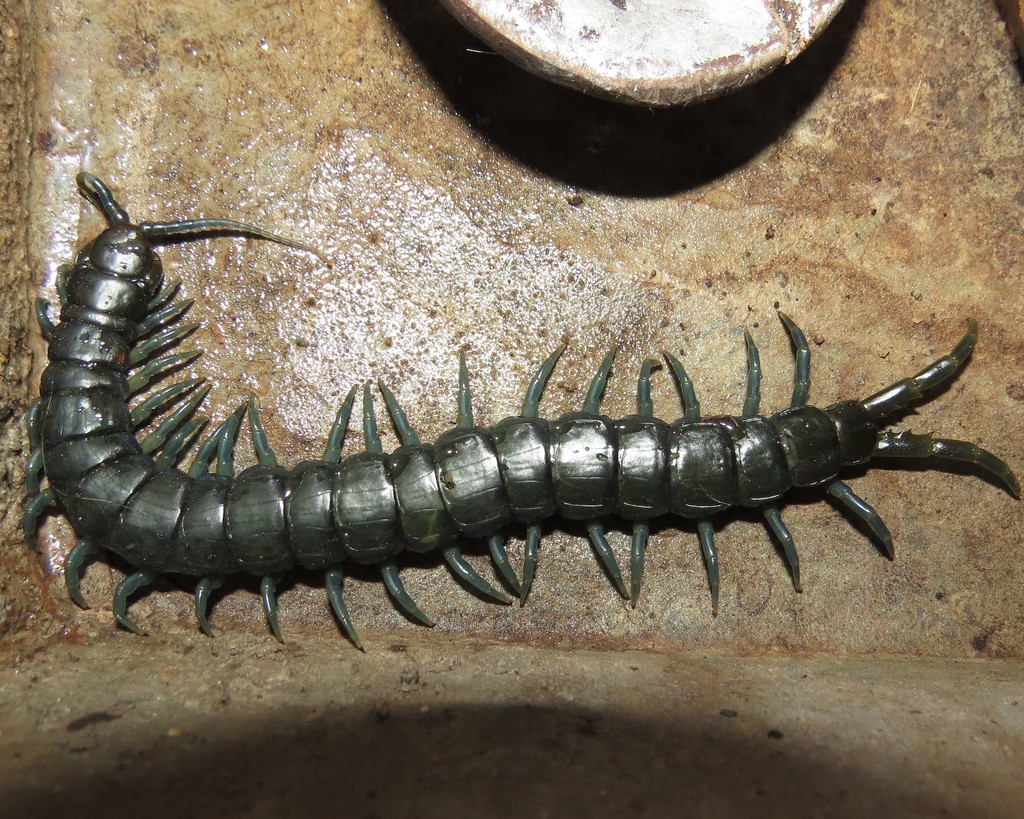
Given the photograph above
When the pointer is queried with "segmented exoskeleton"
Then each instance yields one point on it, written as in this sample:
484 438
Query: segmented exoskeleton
116 323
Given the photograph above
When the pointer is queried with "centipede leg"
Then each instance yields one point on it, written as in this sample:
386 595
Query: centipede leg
264 453
605 555
169 291
148 408
465 397
909 445
499 557
228 438
79 553
706 535
180 442
336 437
691 407
531 409
204 589
164 316
46 325
774 519
533 534
802 376
33 471
531 403
395 587
901 393
158 367
156 439
125 589
636 566
165 338
371 437
34 464
406 433
752 401
34 508
453 557
592 403
62 282
862 509
268 596
641 530
333 581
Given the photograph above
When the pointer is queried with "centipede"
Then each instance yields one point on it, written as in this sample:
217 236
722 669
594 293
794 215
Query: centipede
119 485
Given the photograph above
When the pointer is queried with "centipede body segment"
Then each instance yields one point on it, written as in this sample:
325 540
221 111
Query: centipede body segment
119 326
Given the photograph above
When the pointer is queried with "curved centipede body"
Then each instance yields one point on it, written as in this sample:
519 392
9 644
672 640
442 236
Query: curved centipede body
126 495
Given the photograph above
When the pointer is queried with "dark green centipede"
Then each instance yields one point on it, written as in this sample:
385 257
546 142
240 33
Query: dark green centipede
118 321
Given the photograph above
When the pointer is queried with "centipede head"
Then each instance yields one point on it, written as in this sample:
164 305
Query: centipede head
123 250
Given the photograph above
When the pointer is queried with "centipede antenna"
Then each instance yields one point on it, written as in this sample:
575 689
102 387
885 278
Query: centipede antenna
144 411
158 367
398 417
268 596
46 326
706 535
154 440
752 402
463 570
465 399
333 581
604 553
97 192
226 448
862 509
691 407
802 377
79 553
336 438
533 534
165 315
125 589
389 572
372 442
774 518
264 452
636 563
531 404
204 589
191 227
592 403
164 338
644 404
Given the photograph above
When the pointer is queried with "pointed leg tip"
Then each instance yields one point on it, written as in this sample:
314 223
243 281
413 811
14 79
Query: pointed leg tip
1014 486
128 624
